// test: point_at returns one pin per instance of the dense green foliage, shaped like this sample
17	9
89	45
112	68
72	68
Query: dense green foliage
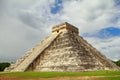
55	74
3	66
117	62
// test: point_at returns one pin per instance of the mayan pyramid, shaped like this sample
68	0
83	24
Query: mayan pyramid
63	50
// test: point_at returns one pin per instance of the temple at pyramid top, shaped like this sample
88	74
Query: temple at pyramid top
65	27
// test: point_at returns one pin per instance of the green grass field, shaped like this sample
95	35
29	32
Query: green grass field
106	75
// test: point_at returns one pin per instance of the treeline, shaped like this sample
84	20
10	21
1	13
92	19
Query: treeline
3	66
117	62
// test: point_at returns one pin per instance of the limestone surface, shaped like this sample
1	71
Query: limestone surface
64	50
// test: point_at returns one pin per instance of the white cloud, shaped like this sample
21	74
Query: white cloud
109	47
23	23
15	38
88	15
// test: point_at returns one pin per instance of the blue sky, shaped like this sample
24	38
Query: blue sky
105	33
102	33
56	7
117	2
24	23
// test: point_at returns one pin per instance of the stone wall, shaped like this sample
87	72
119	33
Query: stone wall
69	52
63	50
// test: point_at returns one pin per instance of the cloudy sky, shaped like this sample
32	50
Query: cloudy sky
24	23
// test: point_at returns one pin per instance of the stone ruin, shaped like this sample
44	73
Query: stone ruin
64	51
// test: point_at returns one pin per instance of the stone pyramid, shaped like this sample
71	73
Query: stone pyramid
63	50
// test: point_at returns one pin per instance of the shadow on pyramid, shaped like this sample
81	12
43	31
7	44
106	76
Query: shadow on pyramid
64	51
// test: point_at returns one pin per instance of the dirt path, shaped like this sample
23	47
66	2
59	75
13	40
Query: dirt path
55	78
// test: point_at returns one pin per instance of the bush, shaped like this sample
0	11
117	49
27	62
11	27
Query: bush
3	66
117	62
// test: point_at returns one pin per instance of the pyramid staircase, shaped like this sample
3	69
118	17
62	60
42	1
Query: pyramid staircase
23	63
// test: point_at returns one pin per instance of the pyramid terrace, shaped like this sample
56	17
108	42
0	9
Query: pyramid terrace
64	51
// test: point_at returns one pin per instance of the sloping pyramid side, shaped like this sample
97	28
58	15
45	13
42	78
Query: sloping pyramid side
63	50
23	63
70	52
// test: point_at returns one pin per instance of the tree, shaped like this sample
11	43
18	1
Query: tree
3	66
117	62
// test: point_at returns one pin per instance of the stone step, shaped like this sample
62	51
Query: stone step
36	51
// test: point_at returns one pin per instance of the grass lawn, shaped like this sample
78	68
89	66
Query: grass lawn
104	75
